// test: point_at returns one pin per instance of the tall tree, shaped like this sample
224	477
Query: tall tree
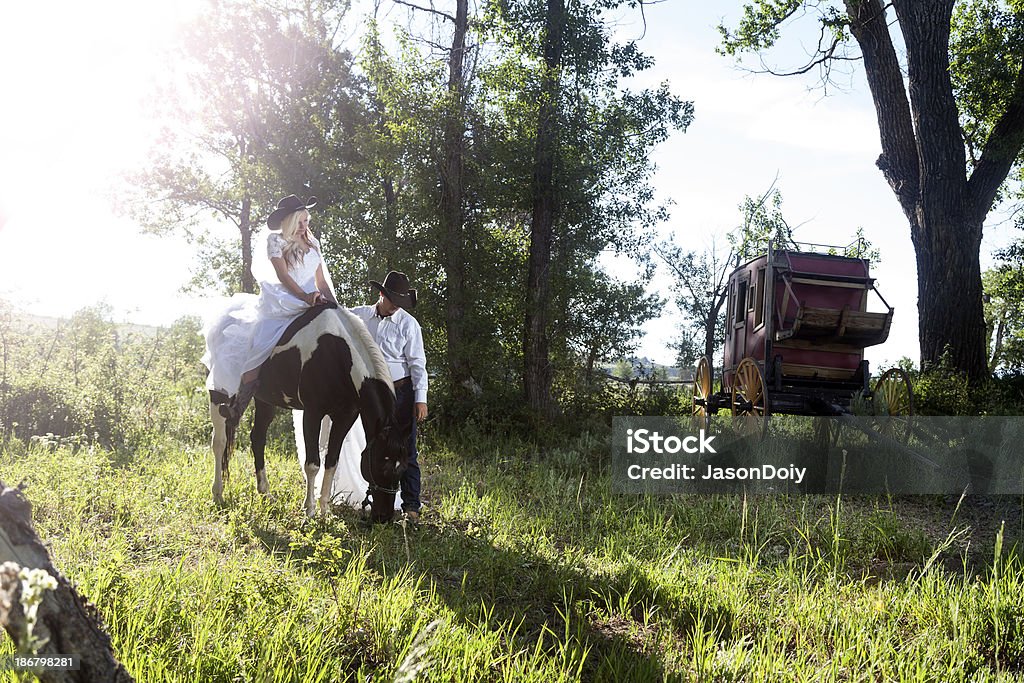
452	203
923	123
536	352
262	100
699	286
590	178
414	100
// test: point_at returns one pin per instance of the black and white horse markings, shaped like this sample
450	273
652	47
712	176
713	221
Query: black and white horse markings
326	363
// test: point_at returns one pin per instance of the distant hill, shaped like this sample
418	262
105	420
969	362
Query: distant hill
23	320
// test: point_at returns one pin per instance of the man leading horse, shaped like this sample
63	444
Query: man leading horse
325	363
400	339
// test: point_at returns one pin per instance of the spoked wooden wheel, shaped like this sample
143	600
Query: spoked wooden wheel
750	397
749	393
701	393
893	401
893	394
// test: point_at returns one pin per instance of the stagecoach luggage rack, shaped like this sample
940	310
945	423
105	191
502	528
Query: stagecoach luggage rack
824	325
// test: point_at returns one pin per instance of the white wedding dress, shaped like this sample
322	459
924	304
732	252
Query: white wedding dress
243	336
349	487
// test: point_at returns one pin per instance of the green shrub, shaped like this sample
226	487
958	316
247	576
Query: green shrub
34	408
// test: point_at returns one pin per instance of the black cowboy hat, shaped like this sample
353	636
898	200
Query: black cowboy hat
396	288
289	204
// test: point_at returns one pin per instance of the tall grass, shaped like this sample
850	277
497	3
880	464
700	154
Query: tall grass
526	567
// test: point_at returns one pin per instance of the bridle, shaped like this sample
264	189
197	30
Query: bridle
374	487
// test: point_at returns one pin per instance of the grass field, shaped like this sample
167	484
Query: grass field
525	568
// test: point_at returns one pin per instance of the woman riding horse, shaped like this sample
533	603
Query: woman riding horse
321	360
247	331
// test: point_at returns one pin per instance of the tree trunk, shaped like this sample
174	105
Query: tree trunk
709	338
950	310
537	372
451	208
711	327
946	236
591	359
245	228
924	162
65	623
390	234
389	231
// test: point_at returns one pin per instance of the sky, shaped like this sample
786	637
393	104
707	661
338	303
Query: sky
76	117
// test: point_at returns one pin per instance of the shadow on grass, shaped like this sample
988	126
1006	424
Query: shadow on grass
616	615
607	621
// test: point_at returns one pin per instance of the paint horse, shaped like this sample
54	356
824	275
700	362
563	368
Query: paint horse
325	363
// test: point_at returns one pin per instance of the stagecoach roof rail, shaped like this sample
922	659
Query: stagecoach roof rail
855	247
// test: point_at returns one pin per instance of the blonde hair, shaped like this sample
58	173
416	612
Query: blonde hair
295	248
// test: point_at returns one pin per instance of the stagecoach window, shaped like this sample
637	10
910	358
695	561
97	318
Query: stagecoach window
759	298
729	309
741	303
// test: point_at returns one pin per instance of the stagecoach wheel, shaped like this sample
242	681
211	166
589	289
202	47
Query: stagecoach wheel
750	398
893	394
893	402
749	393
701	393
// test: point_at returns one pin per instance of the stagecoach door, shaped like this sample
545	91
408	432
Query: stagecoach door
738	322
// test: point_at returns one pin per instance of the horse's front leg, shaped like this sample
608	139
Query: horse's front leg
258	437
311	438
341	423
221	447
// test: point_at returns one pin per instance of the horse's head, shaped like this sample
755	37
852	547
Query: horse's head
383	462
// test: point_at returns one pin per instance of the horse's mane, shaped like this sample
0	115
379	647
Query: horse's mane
367	359
364	347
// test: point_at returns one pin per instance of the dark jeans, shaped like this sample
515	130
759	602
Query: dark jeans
404	405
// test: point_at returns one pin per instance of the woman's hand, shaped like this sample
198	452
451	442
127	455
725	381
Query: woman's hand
311	298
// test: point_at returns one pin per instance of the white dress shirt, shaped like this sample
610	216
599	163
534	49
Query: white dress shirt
401	341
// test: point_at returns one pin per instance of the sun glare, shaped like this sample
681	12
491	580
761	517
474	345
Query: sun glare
75	118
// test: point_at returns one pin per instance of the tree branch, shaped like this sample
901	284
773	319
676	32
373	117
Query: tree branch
899	161
1001	150
431	10
827	55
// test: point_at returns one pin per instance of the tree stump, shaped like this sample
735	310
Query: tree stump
66	624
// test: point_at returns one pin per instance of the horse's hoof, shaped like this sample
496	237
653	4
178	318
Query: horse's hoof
262	485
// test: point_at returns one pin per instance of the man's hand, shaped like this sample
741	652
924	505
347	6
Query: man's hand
420	411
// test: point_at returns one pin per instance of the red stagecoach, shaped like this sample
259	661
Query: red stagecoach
797	324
